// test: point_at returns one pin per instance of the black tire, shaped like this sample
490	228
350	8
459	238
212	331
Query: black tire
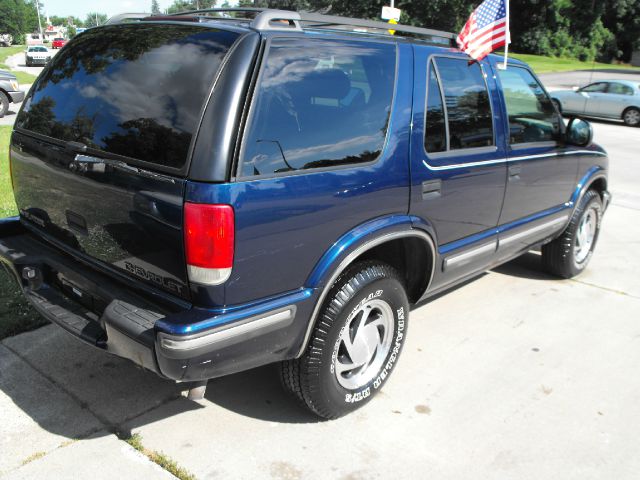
313	378
557	103
560	256
631	117
4	104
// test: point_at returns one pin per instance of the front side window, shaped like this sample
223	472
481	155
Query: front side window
319	103
532	117
600	87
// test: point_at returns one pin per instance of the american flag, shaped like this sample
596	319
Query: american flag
486	29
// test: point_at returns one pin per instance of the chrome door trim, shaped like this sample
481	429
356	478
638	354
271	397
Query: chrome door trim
465	257
511	159
514	237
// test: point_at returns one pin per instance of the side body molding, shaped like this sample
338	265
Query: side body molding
353	244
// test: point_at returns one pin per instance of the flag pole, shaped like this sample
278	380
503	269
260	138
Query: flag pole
508	38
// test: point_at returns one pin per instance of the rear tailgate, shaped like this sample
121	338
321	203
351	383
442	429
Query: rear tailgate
101	145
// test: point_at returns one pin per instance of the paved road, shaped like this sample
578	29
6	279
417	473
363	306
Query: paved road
555	81
514	375
16	62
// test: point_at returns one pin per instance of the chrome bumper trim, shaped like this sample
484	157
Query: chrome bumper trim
276	319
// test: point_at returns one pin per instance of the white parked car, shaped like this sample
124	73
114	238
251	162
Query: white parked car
37	55
617	99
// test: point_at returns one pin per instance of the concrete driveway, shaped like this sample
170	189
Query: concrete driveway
515	375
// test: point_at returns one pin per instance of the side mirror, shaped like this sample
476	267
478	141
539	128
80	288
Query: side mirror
579	132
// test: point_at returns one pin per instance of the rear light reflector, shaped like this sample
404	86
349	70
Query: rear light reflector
209	242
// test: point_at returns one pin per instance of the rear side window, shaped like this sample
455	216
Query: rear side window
435	138
620	89
458	99
532	117
133	90
319	103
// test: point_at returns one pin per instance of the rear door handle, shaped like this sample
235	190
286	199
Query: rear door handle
514	172
431	189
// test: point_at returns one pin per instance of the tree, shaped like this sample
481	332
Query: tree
184	5
11	19
622	19
71	31
94	19
155	7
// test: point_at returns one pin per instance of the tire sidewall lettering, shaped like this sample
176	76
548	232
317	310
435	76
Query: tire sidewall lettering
356	396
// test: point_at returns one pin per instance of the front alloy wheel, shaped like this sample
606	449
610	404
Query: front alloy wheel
569	254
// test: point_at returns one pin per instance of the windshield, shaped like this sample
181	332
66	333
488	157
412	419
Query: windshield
134	90
38	49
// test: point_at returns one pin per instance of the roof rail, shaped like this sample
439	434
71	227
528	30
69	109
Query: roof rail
285	20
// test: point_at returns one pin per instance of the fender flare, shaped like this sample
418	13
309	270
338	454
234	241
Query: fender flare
594	173
353	244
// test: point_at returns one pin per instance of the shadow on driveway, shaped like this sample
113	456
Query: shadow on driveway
74	390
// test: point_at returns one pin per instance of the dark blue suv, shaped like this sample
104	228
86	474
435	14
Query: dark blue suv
203	195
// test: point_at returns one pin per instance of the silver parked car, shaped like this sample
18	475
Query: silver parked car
619	99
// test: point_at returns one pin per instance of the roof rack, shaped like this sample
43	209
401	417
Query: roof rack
125	17
285	20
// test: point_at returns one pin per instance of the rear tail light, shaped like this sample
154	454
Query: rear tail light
209	242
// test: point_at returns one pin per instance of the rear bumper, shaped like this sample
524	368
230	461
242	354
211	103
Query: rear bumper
16	97
181	344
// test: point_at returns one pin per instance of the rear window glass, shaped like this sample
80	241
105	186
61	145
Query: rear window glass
132	90
320	103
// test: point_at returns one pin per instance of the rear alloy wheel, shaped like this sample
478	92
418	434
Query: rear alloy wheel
355	344
4	104
569	254
631	117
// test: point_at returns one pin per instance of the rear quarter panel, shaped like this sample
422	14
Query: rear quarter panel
284	224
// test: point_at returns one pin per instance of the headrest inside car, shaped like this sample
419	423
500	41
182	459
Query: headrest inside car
325	83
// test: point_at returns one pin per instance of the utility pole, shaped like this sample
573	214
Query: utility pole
39	23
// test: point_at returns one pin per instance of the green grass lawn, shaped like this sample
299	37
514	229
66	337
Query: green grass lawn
6	52
16	315
542	64
7	205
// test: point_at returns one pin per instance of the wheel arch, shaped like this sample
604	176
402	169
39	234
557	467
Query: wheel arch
594	179
392	240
